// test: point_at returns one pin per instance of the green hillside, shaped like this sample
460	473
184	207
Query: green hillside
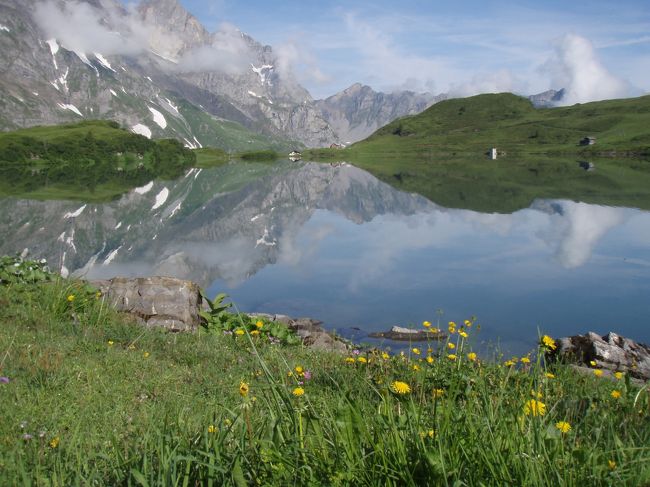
96	157
510	123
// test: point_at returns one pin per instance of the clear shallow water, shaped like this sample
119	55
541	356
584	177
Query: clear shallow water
336	244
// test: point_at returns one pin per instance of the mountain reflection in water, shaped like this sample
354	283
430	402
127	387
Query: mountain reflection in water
336	244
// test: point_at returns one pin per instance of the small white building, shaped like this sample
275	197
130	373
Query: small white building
493	153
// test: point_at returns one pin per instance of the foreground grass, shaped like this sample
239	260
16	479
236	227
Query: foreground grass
90	399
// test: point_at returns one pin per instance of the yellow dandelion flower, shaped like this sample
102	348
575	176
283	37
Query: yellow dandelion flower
430	433
618	375
534	408
592	363
611	464
452	327
400	387
598	372
239	331
385	356
616	394
243	389
463	334
426	324
350	360
259	324
525	360
212	429
549	375
537	394
255	333
54	442
71	297
298	391
145	354
548	342
563	426
438	392
451	346
430	359
363	360
471	356
416	367
452	356
508	363
298	369
416	351
110	343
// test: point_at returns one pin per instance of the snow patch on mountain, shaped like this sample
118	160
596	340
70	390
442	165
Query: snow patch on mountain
4	28
111	256
74	214
69	106
113	93
144	189
102	60
263	71
141	129
160	198
158	118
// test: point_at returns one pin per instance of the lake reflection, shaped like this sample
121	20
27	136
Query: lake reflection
336	244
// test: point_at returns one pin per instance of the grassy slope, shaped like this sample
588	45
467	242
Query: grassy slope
141	409
440	153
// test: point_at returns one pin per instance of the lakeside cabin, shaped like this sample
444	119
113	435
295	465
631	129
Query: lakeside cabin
587	141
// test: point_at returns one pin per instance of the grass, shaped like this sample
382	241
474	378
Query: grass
94	399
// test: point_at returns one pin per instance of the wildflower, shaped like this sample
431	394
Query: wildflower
534	408
145	354
452	327
131	347
452	356
350	360
592	363
298	369
451	346
616	394
255	333
227	422
508	363
548	342
468	323
239	331
212	429
55	442
563	426
355	351
525	360
385	356
363	360
98	294
598	372
71	297
298	391
463	334
426	324
243	389
400	387
618	375
611	464
471	356
306	375
4	380
259	324
110	343
416	351
438	392
549	375
416	367
537	394
430	359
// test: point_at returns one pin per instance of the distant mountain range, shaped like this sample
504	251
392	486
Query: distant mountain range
162	74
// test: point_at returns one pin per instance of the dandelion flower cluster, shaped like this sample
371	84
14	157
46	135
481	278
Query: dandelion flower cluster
548	342
400	387
563	426
534	408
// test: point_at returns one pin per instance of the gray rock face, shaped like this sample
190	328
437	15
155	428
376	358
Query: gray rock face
401	334
610	352
358	111
547	98
163	302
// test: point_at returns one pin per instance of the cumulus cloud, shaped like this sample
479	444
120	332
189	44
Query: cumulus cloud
577	68
497	82
81	28
293	58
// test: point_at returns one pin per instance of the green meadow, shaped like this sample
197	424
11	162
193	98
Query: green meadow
89	398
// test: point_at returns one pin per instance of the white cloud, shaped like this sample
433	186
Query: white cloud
293	58
496	82
577	68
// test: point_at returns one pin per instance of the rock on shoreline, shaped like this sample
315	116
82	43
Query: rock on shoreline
401	334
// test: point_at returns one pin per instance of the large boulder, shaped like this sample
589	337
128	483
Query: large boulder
164	302
610	352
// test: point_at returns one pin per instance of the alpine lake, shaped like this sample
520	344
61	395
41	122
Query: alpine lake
332	242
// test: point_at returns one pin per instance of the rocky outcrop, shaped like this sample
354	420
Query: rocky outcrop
610	352
310	331
401	334
163	302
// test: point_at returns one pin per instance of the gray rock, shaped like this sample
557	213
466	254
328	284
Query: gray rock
164	302
610	352
401	334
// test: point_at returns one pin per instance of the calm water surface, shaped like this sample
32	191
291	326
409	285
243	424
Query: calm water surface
336	244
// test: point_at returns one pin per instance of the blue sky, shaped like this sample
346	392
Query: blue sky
460	46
